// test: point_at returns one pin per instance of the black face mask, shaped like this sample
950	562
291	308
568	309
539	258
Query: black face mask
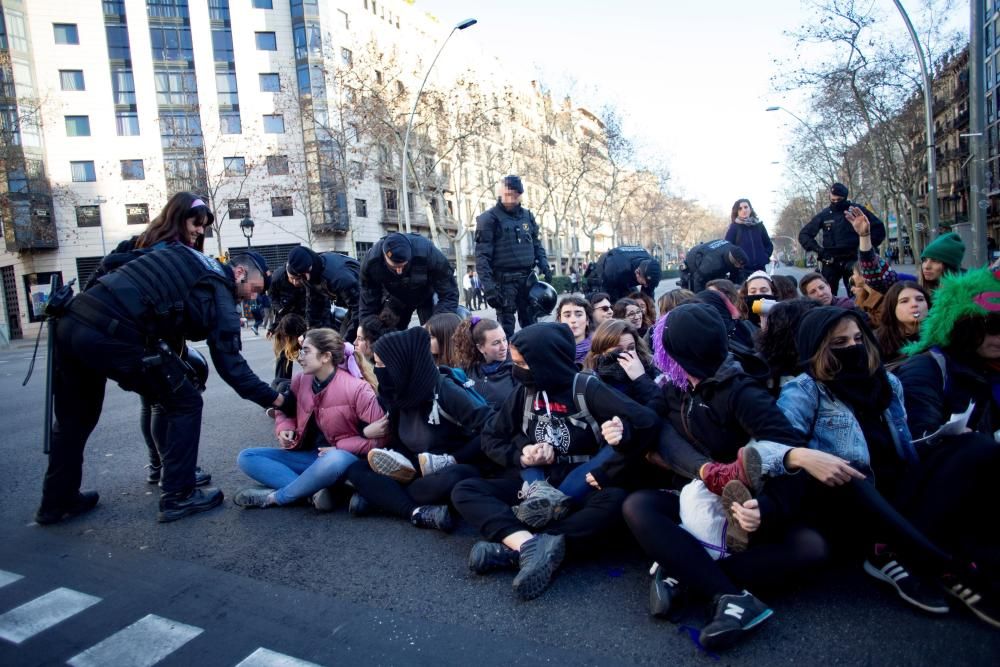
523	375
386	388
840	206
609	370
853	361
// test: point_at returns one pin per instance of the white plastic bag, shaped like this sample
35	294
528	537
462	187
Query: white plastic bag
703	517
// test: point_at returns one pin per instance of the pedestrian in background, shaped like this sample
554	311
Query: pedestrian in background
748	232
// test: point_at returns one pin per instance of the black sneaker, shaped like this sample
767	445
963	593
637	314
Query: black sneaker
664	594
84	502
432	516
538	560
734	616
489	556
358	506
921	594
198	500
975	596
154	473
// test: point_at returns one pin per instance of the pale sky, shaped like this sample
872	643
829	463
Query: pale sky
692	78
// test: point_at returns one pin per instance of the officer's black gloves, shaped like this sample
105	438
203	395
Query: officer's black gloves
493	300
548	277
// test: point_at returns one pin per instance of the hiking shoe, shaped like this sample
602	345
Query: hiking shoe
734	616
489	556
538	561
83	503
747	468
391	464
975	596
433	516
664	594
753	466
432	463
154	473
173	507
541	503
253	498
358	506
884	566
737	539
323	500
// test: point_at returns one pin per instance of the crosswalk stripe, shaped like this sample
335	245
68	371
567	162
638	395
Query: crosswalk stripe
144	643
263	657
42	613
8	578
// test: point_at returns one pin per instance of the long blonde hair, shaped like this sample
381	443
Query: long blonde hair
328	340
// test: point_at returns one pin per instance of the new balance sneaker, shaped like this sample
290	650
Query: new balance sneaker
391	464
664	593
253	498
323	500
432	516
432	463
737	539
538	561
884	566
154	473
83	503
177	506
735	615
541	503
358	506
490	556
975	596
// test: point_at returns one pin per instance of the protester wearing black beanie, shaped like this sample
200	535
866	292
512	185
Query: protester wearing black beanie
410	375
550	352
696	338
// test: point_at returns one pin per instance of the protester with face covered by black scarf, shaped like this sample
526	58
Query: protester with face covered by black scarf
433	427
620	357
547	430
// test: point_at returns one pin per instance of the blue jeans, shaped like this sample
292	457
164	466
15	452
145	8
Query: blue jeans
575	484
294	474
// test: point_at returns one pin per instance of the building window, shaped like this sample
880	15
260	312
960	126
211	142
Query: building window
71	79
262	4
361	248
274	124
133	170
270	83
389	199
281	206
218	10
137	214
123	86
168	8
118	46
239	209
83	171
235	166
180	130
277	165
357	170
229	122
176	88
127	123
347	20
346	57
222	46
77	126
170	43
225	85
88	216
361	208
266	41
66	33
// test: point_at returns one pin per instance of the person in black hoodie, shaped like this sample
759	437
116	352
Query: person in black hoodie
434	424
540	423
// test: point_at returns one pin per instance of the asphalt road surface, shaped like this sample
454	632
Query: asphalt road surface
290	586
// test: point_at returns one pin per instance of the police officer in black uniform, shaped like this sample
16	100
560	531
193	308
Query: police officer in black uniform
507	251
404	272
839	250
326	278
620	270
710	261
118	329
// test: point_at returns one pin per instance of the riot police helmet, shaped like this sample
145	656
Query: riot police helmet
542	297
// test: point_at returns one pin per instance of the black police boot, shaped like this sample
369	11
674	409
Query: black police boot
175	506
83	503
201	478
153	473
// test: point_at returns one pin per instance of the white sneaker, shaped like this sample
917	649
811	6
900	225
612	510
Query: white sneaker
432	463
391	464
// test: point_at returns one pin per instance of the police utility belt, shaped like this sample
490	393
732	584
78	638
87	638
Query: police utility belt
505	277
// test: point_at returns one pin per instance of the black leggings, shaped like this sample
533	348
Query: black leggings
394	498
654	518
149	413
486	504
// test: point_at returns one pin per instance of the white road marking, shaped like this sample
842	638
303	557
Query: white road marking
142	644
42	613
8	578
263	657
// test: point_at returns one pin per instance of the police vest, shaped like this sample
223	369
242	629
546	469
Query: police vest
513	240
152	289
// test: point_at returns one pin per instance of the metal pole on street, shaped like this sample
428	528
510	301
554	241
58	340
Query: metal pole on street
978	201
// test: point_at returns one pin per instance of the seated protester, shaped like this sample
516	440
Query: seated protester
649	314
727	287
904	308
814	286
285	340
785	287
574	311
630	311
738	329
675	297
621	359
600	304
777	343
757	287
481	351
954	366
851	408
334	394
442	327
539	425
877	273
941	256
433	426
370	330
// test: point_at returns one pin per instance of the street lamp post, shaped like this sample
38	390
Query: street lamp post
812	130
467	23
246	226
101	200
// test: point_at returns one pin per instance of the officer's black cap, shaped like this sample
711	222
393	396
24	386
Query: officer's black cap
514	183
300	261
838	189
397	248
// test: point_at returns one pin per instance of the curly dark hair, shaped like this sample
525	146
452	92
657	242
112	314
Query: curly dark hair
776	343
467	339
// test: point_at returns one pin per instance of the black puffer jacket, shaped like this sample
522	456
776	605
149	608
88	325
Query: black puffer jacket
496	386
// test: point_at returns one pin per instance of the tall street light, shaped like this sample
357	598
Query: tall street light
932	203
467	23
812	130
246	226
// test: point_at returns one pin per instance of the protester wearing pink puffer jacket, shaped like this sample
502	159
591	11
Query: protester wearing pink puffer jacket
334	395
